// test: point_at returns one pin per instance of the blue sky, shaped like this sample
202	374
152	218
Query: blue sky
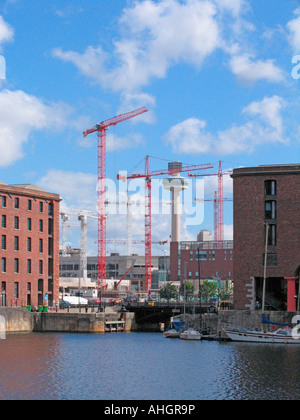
214	74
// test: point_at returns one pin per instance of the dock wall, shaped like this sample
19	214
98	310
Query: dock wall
15	320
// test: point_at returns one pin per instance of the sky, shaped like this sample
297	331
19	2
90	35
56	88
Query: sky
220	80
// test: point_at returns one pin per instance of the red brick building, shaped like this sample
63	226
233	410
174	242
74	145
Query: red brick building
212	260
266	195
29	249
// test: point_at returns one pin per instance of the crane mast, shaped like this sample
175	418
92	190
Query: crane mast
101	187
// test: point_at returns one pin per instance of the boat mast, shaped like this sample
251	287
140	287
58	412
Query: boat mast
265	268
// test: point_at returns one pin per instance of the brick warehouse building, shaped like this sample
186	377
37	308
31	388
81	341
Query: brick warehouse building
29	250
266	195
216	261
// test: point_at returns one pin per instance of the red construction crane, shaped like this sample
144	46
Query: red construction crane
148	227
101	130
218	203
127	272
216	212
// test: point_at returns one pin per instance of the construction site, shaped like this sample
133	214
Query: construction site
143	275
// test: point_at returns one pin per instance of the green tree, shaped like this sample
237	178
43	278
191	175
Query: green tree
227	292
169	291
189	290
208	290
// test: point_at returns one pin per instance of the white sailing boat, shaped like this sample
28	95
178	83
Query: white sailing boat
190	334
279	334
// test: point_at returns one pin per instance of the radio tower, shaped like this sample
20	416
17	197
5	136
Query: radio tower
101	207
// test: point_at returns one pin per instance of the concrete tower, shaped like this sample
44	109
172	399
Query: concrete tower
175	183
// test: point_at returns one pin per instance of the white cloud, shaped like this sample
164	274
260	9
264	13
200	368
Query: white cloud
265	125
6	31
20	115
155	36
293	27
76	189
249	70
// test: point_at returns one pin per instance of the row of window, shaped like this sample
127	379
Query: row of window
209	255
16	224
29	204
29	244
29	289
17	266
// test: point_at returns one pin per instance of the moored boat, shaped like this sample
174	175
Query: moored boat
279	334
175	328
190	334
282	336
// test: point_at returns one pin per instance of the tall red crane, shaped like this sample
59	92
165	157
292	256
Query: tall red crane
218	203
101	130
148	224
216	212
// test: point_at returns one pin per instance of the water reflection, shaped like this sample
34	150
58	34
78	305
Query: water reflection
144	366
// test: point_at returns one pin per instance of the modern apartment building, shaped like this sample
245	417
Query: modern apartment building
29	250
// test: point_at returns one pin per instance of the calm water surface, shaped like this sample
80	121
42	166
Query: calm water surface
144	366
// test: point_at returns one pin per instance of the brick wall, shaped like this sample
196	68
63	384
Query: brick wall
249	226
16	256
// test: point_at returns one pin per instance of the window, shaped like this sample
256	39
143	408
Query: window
16	243
271	260
3	243
213	255
17	203
16	290
29	207
29	225
225	255
50	209
28	287
16	265
270	210
3	221
3	201
202	255
272	237
28	244
40	226
3	265
28	266
17	223
40	245
50	227
41	207
270	188
191	255
40	267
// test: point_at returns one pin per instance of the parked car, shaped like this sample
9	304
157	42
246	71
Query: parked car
64	305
